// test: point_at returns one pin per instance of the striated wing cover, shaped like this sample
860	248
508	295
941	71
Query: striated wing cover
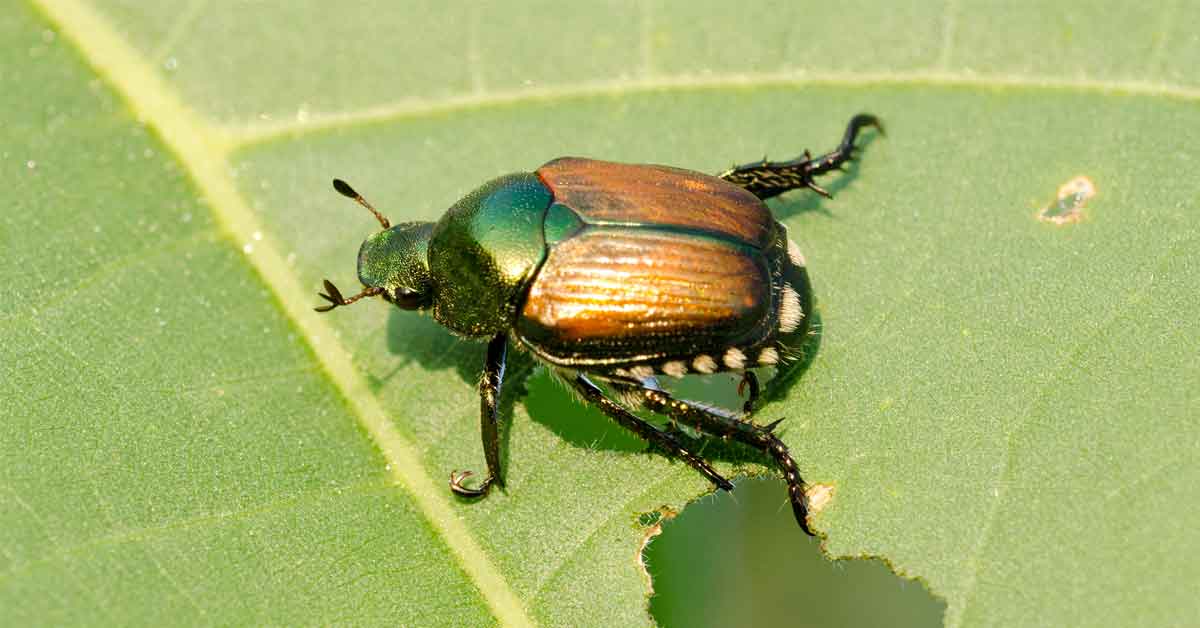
603	192
620	294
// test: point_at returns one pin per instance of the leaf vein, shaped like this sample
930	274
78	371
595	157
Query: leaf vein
600	522
954	617
146	533
107	269
250	134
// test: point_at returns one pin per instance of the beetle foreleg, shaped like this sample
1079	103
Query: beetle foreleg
489	420
669	442
765	179
722	423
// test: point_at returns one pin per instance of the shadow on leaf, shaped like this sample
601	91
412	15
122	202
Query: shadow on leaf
804	201
418	339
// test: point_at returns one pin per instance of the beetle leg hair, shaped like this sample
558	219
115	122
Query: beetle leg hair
667	441
489	420
725	424
766	179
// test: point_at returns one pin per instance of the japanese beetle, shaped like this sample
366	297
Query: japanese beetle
617	273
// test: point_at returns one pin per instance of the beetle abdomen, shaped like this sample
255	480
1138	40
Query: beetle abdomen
630	294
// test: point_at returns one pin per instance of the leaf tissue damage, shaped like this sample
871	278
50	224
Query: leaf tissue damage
1068	206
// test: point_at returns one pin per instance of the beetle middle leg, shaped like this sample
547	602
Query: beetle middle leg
722	423
666	440
489	420
766	179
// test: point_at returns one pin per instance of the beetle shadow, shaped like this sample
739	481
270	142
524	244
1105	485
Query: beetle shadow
554	406
418	339
792	204
788	375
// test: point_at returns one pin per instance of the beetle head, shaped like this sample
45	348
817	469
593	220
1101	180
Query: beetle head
391	263
394	262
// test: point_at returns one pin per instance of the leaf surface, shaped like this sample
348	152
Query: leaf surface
1006	408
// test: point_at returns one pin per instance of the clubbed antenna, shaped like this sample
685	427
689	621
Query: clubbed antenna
335	297
344	189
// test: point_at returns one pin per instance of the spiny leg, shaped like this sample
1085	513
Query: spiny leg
667	441
765	178
724	424
489	420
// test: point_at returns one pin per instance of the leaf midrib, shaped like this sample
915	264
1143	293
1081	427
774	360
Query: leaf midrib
204	152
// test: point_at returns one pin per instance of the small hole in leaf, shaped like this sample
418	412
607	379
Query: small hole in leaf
739	560
1067	208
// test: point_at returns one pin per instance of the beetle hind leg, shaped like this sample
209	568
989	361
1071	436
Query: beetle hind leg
670	442
766	179
724	424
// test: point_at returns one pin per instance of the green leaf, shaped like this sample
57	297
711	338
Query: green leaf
1004	407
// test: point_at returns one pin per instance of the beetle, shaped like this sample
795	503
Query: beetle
615	273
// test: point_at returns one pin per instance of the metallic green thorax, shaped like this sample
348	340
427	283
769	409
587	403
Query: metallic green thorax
484	251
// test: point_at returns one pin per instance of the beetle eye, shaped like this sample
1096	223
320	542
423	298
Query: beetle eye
406	299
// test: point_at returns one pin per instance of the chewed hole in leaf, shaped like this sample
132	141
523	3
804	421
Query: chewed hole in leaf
819	497
652	525
1067	207
738	559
